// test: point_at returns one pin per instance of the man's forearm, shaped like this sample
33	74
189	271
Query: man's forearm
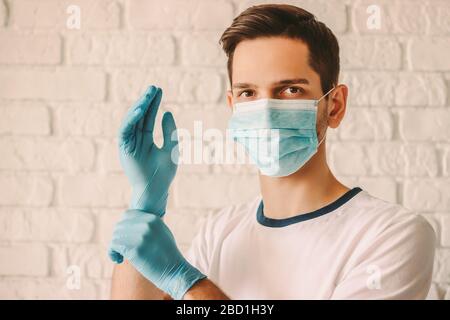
128	284
205	289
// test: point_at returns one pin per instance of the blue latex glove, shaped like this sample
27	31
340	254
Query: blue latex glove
147	243
149	169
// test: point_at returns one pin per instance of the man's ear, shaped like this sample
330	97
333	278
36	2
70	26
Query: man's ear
230	99
337	105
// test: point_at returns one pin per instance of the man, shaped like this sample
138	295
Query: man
308	236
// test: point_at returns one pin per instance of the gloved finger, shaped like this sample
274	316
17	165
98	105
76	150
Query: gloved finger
150	115
126	229
169	129
115	256
126	132
116	250
132	213
130	118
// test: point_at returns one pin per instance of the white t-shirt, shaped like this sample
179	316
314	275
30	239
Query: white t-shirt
357	247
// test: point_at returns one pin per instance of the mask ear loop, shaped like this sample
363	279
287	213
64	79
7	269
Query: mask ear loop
326	128
326	94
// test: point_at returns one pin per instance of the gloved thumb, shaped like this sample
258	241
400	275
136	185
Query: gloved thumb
169	131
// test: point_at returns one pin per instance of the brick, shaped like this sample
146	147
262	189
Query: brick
420	90
446	162
366	124
442	266
425	124
445	232
382	187
178	14
227	190
349	159
370	88
105	222
191	116
3	14
25	189
49	224
421	160
25	119
91	259
202	49
429	54
427	194
401	17
333	13
60	84
30	49
385	89
178	86
439	12
24	260
46	288
94	190
370	53
108	156
47	154
399	159
76	119
124	49
53	14
384	159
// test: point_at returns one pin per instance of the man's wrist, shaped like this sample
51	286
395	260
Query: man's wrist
140	201
205	289
197	287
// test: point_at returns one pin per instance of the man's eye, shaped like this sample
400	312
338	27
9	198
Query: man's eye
294	90
244	92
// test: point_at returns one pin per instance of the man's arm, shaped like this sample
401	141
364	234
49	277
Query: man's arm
128	284
205	290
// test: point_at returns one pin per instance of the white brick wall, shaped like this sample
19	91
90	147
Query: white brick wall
64	91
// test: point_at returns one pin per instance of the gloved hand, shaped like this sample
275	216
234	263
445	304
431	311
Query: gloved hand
149	169
147	243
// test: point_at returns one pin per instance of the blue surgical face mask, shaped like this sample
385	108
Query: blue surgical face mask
279	135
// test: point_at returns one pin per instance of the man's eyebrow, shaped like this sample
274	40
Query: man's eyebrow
242	85
281	82
292	81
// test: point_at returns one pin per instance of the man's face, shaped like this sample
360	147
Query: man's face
276	68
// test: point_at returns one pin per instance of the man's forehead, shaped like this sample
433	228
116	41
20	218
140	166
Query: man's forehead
268	50
272	59
304	81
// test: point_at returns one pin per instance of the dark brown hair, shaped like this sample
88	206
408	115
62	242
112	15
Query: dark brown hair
270	20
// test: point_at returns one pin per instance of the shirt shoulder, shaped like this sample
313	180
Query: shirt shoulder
213	229
391	244
381	215
227	218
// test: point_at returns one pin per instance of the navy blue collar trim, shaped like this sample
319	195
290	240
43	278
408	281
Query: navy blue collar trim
277	223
